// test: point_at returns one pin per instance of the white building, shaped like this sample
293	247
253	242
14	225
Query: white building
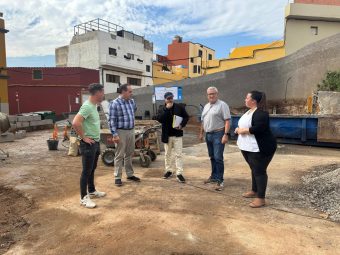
121	56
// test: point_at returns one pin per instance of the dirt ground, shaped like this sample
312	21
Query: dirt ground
40	214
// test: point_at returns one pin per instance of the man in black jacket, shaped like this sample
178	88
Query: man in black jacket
173	118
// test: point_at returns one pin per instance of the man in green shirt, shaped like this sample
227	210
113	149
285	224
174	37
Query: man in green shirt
87	125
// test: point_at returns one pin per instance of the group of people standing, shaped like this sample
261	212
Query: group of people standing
255	140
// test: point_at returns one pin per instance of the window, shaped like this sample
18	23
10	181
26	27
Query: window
195	69
148	68
314	30
112	52
192	60
200	53
210	56
134	81
37	75
112	78
199	69
131	56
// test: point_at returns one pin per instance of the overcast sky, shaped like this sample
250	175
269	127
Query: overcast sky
37	27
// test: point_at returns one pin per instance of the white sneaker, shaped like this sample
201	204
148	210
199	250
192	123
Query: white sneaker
97	194
87	202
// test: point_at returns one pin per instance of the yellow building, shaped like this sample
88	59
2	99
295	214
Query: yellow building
3	72
163	74
247	55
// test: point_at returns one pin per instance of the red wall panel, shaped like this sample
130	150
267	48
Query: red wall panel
57	91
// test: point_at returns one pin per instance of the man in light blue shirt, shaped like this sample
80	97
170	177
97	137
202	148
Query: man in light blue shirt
122	124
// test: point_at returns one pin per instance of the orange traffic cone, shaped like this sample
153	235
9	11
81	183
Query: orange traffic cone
55	132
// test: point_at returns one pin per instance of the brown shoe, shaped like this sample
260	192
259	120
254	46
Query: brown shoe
257	203
249	194
209	180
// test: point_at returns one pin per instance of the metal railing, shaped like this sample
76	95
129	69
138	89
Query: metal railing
96	25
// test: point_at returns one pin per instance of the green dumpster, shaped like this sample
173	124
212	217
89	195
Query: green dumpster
45	115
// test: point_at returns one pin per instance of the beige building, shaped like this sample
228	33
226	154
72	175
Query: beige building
309	21
199	55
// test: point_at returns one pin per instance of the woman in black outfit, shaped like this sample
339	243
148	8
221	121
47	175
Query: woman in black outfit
257	145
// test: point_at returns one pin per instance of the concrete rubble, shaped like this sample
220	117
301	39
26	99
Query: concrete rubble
321	188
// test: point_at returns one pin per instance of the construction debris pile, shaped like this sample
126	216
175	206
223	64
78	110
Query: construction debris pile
321	188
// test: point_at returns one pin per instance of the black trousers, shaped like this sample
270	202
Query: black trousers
258	163
90	154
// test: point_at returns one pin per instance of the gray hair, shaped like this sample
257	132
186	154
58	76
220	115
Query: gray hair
213	88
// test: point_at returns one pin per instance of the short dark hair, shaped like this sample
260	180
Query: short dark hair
94	87
122	88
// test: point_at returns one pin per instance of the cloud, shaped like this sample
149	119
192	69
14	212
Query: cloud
37	27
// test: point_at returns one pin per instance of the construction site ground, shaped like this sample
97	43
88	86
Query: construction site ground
40	211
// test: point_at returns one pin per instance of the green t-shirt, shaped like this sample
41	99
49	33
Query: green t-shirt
91	123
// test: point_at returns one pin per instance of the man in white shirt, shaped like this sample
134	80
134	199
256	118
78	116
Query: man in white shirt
216	125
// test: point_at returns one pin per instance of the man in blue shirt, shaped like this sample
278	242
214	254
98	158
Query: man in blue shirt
122	124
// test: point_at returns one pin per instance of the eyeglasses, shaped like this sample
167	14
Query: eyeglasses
169	98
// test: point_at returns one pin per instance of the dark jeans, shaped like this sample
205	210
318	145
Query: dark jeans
90	154
258	163
215	150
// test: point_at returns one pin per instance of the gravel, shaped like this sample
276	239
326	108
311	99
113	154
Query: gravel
321	188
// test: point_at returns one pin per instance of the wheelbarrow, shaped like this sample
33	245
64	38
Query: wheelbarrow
142	147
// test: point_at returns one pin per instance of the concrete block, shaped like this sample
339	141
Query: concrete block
12	118
20	134
329	129
36	117
25	124
47	122
24	118
329	102
36	123
7	137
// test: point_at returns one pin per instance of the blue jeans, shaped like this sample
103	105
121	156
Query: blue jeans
215	150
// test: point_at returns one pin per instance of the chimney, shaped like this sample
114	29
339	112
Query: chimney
177	39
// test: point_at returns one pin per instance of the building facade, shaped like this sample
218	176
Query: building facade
3	72
308	21
57	89
247	55
120	56
165	73
184	60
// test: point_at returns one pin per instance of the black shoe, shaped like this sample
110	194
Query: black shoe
180	178
133	178
118	182
167	175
